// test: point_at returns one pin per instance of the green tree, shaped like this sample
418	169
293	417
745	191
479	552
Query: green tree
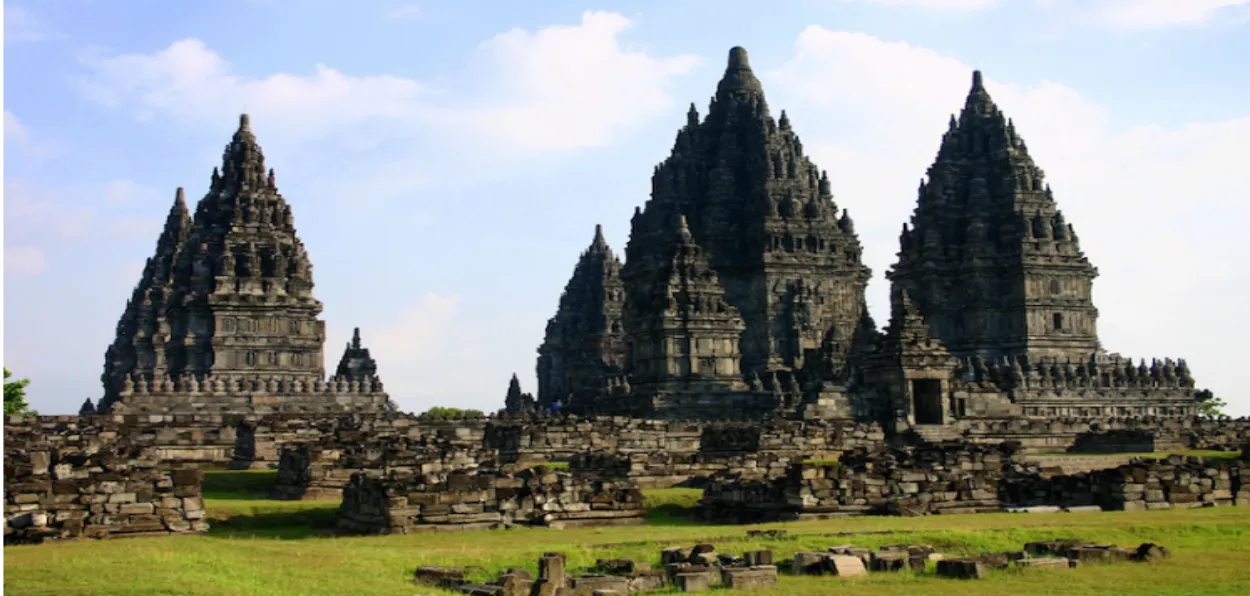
439	412
15	397
1209	405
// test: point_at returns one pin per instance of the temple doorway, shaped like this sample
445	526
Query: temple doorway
926	395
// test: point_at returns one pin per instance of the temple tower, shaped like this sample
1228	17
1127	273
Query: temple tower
682	334
788	261
143	329
989	259
224	318
585	341
356	363
243	300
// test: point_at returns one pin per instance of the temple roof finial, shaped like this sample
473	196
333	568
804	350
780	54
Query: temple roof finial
245	122
976	80
738	58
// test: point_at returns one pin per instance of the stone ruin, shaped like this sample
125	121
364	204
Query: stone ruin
310	473
701	568
55	493
406	502
962	478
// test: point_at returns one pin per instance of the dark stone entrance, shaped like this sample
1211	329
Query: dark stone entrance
926	397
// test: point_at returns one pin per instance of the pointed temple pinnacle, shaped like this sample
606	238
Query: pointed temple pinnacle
976	80
180	198
245	122
738	77
599	234
738	59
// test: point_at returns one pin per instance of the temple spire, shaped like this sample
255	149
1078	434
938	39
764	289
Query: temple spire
739	80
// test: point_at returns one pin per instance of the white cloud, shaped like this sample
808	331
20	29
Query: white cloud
1143	14
14	131
21	25
21	261
1156	209
558	87
570	87
404	12
188	80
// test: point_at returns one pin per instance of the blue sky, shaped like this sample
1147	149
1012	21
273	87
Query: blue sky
447	161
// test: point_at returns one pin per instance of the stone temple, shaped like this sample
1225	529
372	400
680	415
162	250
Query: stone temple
224	318
742	291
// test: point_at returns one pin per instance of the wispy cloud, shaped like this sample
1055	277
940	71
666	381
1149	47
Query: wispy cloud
405	12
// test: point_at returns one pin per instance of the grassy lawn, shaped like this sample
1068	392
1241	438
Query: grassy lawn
263	547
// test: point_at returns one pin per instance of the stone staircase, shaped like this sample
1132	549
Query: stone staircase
937	433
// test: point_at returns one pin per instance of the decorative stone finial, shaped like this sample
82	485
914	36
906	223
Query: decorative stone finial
976	80
738	58
245	122
180	197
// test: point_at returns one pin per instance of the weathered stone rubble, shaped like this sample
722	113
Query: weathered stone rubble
956	478
311	473
965	479
56	493
701	568
404	502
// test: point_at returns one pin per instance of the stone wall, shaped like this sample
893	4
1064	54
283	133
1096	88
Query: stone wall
401	502
312	472
1176	482
1128	440
957	478
61	492
967	478
652	454
1059	434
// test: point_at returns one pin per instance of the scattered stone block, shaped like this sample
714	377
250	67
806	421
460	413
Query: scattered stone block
961	568
756	558
587	585
693	582
889	561
446	577
808	563
750	578
1151	552
1045	563
846	566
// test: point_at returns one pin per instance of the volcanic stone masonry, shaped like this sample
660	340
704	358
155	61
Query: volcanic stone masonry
742	292
223	318
406	502
78	490
963	478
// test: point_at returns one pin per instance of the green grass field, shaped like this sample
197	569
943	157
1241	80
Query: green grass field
263	547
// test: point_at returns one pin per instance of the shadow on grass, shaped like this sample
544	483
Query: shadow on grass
235	485
289	524
673	506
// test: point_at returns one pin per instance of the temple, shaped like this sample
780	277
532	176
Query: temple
223	317
743	292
